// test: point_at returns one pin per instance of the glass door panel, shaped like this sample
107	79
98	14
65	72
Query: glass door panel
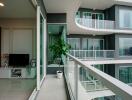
87	15
98	45
125	74
84	47
91	47
75	45
88	19
41	47
100	20
84	44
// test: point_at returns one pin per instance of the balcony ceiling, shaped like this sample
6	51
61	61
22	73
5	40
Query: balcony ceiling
97	4
57	6
61	6
17	9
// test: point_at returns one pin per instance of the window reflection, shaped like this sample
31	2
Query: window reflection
125	46
125	20
125	74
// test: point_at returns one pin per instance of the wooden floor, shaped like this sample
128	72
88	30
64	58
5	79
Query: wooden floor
52	89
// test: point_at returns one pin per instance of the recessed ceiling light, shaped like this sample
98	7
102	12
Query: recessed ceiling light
1	4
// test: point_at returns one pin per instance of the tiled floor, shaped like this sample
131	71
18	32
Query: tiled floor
16	89
52	89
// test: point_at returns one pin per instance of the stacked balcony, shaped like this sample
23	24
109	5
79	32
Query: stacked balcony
96	23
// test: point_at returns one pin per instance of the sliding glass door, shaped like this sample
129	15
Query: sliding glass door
94	46
41	47
94	20
125	74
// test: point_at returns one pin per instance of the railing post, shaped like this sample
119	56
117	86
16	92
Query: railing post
105	54
94	54
95	24
76	80
85	54
74	53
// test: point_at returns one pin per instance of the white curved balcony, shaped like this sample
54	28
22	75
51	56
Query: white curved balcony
95	23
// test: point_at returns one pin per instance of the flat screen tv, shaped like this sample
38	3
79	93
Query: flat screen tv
18	60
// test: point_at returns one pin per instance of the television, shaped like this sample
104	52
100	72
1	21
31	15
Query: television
18	60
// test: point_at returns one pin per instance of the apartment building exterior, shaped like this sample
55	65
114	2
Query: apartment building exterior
108	46
103	34
114	44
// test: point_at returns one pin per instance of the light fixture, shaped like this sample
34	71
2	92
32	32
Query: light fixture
2	4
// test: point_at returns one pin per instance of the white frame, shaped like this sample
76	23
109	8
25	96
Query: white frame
39	82
38	48
44	52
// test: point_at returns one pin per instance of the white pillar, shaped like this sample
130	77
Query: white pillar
45	47
38	48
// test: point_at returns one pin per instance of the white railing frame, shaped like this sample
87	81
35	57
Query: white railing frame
94	53
118	87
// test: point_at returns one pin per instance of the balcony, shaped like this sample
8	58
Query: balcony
95	23
93	54
92	83
100	26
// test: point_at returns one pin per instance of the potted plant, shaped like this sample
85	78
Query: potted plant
59	48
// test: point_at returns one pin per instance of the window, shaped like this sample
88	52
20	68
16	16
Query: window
125	18
75	43
91	15
125	46
78	15
125	74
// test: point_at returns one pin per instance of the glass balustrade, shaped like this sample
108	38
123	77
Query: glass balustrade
93	54
86	82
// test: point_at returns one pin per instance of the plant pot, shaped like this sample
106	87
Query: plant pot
59	74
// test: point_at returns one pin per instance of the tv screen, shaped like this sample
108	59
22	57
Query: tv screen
18	60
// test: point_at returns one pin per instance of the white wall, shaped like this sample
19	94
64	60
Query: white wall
22	41
17	41
18	36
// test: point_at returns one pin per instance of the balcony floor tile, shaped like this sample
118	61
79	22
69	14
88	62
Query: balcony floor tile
52	89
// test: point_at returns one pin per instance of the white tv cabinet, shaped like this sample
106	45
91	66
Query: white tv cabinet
17	72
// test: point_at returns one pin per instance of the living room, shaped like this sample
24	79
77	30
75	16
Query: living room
18	49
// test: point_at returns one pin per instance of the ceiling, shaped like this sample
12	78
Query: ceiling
17	9
57	6
61	6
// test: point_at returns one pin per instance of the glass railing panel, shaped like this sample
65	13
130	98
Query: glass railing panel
89	82
110	54
84	81
70	76
93	54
